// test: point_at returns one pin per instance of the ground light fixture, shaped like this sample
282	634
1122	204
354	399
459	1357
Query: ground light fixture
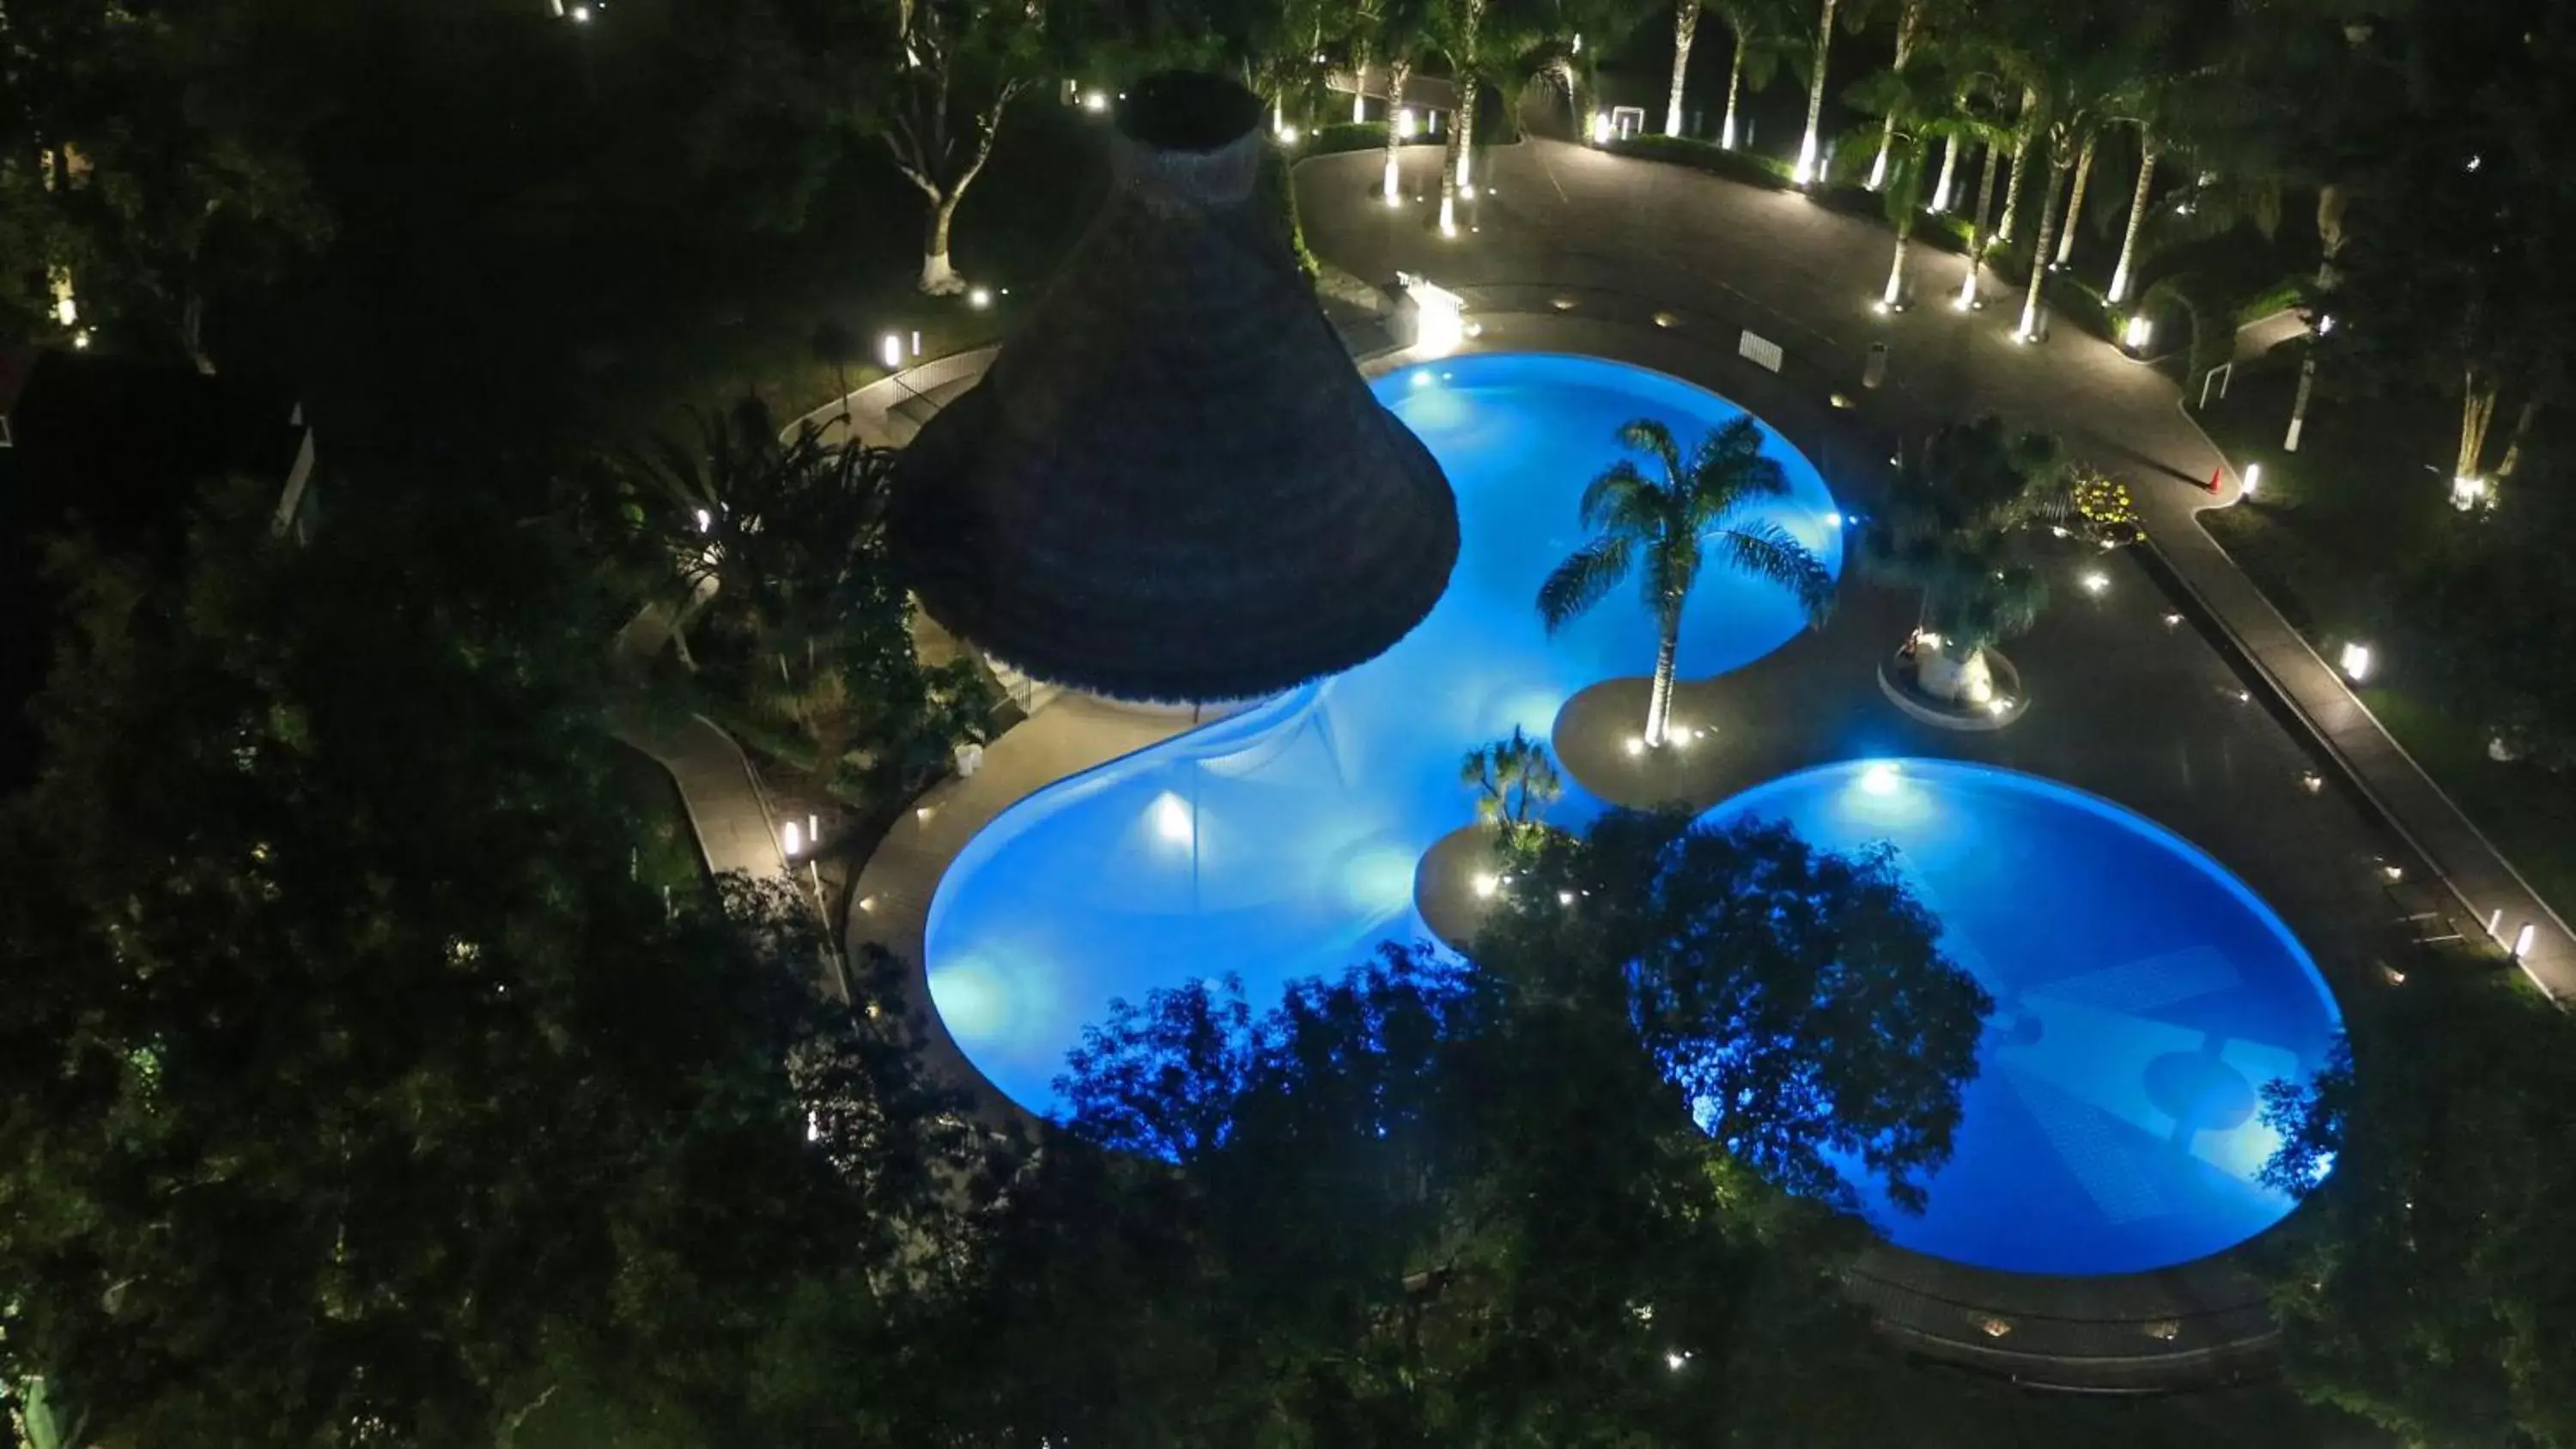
2356	662
1095	102
1404	124
980	298
2522	940
2095	581
890	350
792	837
2139	333
2253	480
1600	127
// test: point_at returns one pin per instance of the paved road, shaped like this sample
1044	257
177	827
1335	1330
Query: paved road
1582	231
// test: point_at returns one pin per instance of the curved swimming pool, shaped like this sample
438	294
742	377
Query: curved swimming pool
1281	843
2143	997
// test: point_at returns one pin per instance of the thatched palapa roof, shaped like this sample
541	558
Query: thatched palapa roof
1173	483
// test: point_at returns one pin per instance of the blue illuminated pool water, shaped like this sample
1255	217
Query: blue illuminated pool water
2142	999
1281	844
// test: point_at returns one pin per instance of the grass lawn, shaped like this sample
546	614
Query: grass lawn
2331	523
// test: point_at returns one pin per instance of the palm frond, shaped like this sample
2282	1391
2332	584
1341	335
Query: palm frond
1730	468
1766	551
1618	495
1582	580
1652	438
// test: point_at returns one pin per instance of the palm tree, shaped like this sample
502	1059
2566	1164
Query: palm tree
1761	40
1514	781
1909	25
1459	32
1397	30
2124	275
1946	529
1661	530
2075	199
1979	238
1903	198
1685	29
1919	104
1807	146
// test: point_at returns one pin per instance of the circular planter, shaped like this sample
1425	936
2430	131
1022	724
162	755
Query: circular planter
1896	681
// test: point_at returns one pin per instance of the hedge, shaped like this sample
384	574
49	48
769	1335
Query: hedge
1706	156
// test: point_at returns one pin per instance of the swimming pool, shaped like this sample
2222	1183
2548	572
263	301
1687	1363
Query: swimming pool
2143	996
1281	843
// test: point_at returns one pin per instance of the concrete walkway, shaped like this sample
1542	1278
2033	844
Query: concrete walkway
736	828
1579	231
887	412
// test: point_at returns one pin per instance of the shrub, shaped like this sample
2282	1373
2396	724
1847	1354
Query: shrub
1347	136
1706	156
1279	199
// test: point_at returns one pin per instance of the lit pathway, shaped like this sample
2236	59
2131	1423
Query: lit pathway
726	807
728	810
1616	236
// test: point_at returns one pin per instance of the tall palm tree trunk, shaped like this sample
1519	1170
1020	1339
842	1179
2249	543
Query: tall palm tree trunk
1907	20
1894	296
2299	401
2056	185
1659	702
1978	240
1734	93
2075	202
1950	149
1359	88
1453	168
1398	72
1685	30
2020	155
1807	147
2123	274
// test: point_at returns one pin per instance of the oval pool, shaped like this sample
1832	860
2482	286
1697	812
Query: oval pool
2143	997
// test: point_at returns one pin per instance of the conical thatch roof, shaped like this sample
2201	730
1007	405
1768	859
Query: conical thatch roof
1173	483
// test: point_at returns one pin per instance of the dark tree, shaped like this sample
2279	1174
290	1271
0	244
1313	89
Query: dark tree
1796	999
2424	1283
352	1090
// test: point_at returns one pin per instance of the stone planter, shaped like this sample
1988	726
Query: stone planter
1896	681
